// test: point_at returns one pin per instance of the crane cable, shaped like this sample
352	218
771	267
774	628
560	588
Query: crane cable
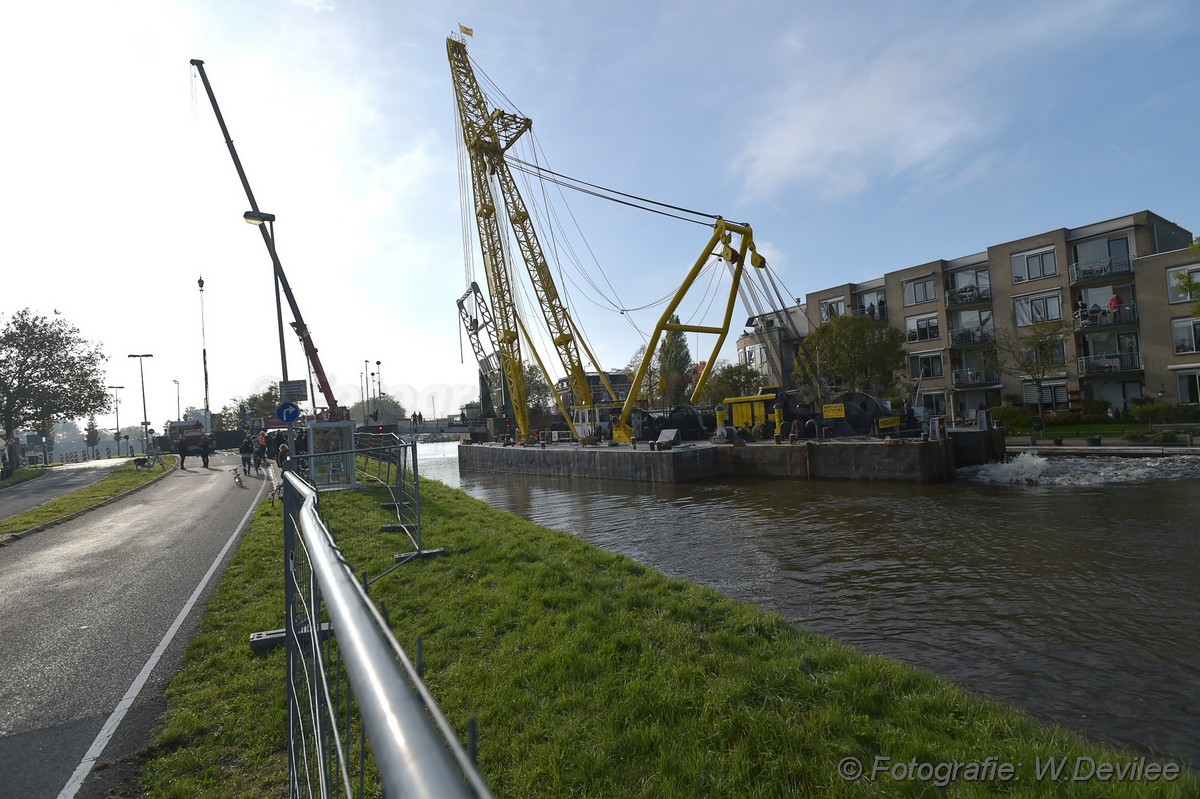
546	175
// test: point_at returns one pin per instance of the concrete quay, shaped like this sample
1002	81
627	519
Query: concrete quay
859	459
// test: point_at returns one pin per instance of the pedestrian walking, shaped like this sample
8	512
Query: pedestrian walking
246	450
181	448
204	451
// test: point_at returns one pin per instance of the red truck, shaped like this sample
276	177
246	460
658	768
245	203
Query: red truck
191	432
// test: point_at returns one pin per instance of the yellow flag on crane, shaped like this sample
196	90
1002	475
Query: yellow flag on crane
463	29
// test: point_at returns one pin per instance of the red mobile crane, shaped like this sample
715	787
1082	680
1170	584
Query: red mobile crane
336	413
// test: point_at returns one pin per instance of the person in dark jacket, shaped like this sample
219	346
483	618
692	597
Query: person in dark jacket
246	450
204	449
181	448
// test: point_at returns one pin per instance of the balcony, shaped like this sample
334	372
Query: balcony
1113	362
973	377
871	312
972	336
967	295
1099	269
1103	317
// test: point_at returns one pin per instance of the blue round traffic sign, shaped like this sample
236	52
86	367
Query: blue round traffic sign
287	412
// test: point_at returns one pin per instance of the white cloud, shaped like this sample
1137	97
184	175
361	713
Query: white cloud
855	111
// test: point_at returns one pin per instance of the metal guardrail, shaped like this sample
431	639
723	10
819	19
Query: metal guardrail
360	720
1112	362
1098	268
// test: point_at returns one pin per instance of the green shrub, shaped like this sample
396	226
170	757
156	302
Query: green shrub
1012	416
1165	437
1095	407
1136	436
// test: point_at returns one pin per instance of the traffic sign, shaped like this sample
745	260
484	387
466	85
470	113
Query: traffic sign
287	412
293	391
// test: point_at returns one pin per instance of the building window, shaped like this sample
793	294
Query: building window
1174	292
1107	253
922	328
872	304
1039	308
1186	335
1053	353
925	365
934	404
1189	388
980	279
918	291
1054	396
1031	266
755	356
831	309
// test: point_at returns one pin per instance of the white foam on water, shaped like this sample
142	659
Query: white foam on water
1030	469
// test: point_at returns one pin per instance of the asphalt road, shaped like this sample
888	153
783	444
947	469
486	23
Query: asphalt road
83	608
54	483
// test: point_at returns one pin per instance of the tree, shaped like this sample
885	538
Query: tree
384	409
1188	284
262	404
853	352
538	394
48	373
1036	353
648	393
91	436
730	380
674	366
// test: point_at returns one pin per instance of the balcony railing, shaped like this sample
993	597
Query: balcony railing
878	312
1100	268
968	295
973	377
967	336
1103	317
1113	362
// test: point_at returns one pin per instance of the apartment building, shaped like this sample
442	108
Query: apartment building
1134	333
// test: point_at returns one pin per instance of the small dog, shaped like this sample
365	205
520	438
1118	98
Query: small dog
141	463
237	477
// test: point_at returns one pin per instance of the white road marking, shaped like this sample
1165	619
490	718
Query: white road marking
118	715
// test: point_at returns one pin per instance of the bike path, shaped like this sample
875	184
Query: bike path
58	481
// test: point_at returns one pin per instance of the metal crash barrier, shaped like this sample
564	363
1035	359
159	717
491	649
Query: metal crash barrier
360	720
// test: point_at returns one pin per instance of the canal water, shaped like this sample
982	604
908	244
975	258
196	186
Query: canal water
1066	586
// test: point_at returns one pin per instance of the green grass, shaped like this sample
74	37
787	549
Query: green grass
591	676
120	480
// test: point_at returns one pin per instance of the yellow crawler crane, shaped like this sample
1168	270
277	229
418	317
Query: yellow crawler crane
724	232
487	135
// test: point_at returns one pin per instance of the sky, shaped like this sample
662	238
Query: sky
855	137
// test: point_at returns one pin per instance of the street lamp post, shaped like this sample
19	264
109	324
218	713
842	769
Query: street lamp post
362	392
145	416
257	218
178	410
379	394
204	347
117	405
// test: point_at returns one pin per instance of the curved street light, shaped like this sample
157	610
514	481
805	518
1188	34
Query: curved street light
145	420
117	405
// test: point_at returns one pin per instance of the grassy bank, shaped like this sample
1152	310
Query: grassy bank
117	482
591	675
